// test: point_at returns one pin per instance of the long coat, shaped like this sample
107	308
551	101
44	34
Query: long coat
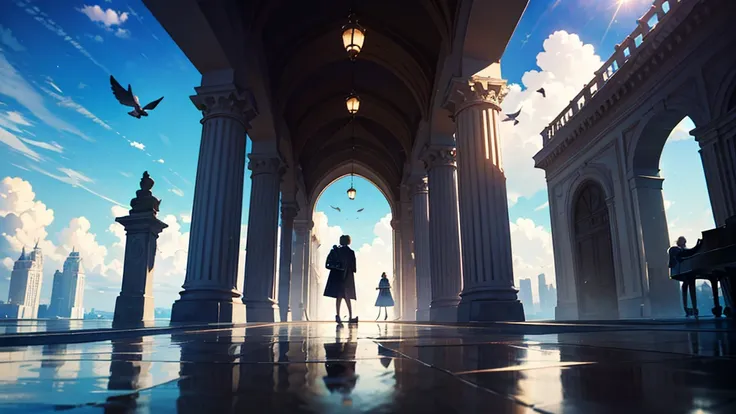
339	283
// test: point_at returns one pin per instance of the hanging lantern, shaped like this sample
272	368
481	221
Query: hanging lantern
353	36
353	103
352	193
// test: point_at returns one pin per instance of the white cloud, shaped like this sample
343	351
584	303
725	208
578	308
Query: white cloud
75	179
54	27
566	64
681	132
68	102
122	33
178	191
7	38
8	263
13	85
542	206
51	83
11	120
531	246
9	139
160	161
125	174
50	146
82	85
107	17
136	144
185	218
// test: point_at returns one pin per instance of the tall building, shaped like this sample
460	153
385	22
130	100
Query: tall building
24	293
525	294
67	295
543	293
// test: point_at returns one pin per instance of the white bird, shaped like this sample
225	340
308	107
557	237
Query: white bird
128	99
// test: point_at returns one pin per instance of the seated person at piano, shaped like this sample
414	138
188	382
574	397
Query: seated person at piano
677	253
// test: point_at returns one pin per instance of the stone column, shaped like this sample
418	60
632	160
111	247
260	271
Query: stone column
288	212
397	286
134	305
718	151
421	248
263	223
664	297
488	277
298	268
444	234
210	288
408	274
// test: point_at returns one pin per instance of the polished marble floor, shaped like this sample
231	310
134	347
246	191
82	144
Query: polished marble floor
382	368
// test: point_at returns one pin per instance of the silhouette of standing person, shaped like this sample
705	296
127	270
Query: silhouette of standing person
384	299
677	253
341	281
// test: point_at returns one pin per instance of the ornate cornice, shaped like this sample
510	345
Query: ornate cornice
420	186
289	210
225	101
265	164
476	90
439	157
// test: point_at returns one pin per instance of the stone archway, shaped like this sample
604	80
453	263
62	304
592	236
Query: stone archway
595	275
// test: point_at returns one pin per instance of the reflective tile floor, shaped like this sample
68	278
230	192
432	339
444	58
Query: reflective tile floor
379	368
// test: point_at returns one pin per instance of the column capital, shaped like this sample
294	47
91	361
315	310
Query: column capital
396	224
289	210
420	186
303	226
265	164
465	92
225	101
439	156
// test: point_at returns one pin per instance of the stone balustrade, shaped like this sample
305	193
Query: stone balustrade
660	10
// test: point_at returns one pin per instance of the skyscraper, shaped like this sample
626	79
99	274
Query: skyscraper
543	292
24	293
67	295
525	295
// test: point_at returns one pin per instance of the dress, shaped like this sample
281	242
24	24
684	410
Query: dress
339	283
384	298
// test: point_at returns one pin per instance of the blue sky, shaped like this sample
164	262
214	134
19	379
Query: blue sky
64	133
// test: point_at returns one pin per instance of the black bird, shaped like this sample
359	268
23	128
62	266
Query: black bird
359	210
128	99
512	117
335	208
543	92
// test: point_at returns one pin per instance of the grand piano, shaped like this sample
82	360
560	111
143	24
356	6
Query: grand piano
714	260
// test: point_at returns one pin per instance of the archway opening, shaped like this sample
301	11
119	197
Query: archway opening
596	280
687	204
367	219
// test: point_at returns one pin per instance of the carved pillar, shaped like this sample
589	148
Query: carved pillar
134	305
299	268
288	212
210	289
263	223
718	151
444	234
663	296
420	205
488	279
408	274
397	285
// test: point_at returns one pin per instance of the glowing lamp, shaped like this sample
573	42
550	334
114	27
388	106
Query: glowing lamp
352	193
353	103
353	36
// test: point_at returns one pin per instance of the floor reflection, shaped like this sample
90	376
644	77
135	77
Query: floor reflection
384	367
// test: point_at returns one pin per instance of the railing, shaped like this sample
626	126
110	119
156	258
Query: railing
624	52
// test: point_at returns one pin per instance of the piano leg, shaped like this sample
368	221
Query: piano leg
728	287
717	310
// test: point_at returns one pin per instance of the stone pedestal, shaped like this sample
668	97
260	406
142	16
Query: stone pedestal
444	234
488	279
134	305
663	293
263	222
420	206
210	289
299	268
288	212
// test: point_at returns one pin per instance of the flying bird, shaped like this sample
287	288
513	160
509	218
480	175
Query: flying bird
543	92
512	117
128	99
359	210
335	208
